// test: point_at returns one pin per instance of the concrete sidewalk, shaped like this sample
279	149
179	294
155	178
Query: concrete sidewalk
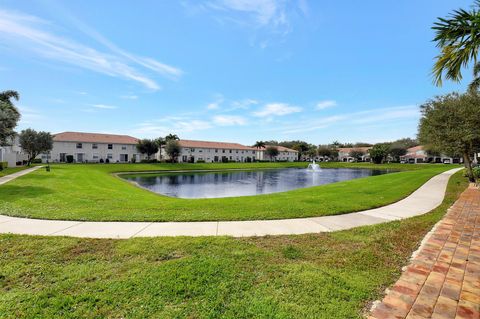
423	200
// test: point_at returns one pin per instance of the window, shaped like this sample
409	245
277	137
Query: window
94	146
192	150
223	151
95	156
200	151
79	145
216	150
109	156
110	146
124	147
230	151
236	151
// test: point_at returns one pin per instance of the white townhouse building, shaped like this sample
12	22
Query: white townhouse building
418	154
92	147
284	154
13	154
345	154
193	151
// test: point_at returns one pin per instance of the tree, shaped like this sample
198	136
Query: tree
450	123
171	137
396	152
259	144
35	143
324	151
357	154
301	147
312	152
173	149
9	116
458	38
404	143
148	147
272	152
160	142
379	152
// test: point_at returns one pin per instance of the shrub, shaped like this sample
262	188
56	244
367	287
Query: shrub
3	165
148	161
224	159
37	161
201	161
476	172
107	161
69	158
101	160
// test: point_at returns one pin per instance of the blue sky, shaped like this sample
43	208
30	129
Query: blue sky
229	70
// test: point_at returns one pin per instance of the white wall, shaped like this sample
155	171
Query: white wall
209	154
91	154
282	156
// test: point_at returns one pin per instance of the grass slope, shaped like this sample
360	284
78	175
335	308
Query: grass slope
331	275
92	192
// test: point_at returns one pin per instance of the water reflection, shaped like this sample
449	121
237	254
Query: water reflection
243	183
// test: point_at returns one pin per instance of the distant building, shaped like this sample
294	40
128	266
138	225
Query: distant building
211	152
13	154
93	147
418	154
284	154
345	154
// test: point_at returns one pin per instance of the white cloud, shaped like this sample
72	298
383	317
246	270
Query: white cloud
242	104
104	106
325	104
29	33
277	109
357	120
213	106
229	120
129	97
263	11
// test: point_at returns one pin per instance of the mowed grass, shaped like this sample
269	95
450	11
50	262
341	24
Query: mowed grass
11	170
92	192
331	275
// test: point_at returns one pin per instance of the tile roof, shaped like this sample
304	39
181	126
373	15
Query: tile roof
415	149
94	138
350	149
279	148
207	144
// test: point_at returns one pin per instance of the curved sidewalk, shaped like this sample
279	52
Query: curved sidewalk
423	200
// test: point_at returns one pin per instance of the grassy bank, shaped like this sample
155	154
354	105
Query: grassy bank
92	192
329	276
11	170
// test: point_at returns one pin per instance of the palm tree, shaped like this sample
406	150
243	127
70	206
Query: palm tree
161	141
458	37
259	144
9	115
171	137
5	96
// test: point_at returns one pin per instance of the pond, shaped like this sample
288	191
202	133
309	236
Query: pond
216	184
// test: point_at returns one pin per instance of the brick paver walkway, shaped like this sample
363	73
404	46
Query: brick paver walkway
443	279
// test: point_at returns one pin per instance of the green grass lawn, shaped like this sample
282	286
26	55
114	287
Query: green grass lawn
11	170
92	192
330	275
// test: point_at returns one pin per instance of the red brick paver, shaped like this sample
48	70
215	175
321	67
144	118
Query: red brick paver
443	279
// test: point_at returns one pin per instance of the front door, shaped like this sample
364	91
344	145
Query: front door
123	157
63	157
79	157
